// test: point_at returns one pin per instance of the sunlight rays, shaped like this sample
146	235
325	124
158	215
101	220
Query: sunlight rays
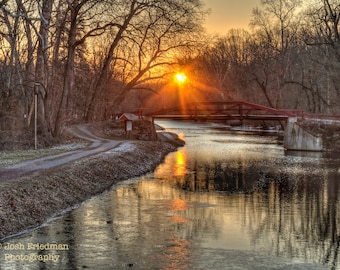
181	91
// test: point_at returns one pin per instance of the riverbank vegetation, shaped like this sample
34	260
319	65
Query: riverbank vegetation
88	60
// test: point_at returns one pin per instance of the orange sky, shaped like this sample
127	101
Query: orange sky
227	14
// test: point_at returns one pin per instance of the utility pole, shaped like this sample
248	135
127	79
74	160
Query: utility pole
36	93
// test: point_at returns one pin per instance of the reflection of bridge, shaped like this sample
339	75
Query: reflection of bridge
229	110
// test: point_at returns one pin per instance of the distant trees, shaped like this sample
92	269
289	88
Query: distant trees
275	28
321	37
289	58
222	64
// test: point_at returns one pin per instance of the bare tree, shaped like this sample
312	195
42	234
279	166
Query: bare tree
276	28
22	23
277	22
321	63
221	64
150	33
42	71
77	14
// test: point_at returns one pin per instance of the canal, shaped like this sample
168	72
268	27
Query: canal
226	200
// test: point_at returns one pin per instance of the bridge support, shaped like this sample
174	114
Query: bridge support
296	138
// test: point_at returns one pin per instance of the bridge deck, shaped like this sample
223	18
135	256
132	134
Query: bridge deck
222	117
229	110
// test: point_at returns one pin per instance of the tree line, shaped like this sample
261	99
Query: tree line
84	59
289	59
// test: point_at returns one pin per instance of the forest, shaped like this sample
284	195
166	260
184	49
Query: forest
87	60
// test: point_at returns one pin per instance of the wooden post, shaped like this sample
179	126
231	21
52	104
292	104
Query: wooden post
196	118
240	111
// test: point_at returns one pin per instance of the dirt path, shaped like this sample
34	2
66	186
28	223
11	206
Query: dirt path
81	131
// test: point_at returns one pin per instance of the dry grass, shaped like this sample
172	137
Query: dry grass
12	157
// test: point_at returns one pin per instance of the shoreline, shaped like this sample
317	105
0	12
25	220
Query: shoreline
29	201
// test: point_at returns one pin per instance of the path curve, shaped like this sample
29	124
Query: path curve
81	131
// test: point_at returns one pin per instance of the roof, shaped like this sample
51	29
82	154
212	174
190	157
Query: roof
128	116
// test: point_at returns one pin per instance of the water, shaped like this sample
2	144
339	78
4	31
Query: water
227	200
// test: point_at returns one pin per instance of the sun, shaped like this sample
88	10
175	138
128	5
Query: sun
180	77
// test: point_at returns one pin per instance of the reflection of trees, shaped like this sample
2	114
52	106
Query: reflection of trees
295	212
302	212
218	176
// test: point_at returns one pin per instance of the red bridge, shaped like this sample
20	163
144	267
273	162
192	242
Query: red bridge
229	110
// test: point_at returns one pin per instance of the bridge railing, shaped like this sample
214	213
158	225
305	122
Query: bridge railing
242	107
231	110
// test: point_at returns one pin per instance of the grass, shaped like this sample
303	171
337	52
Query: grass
8	158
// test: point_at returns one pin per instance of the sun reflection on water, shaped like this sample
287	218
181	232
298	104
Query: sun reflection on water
181	162
178	205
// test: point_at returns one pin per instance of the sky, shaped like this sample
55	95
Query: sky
227	14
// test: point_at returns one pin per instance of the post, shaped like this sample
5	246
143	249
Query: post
196	113
36	92
240	111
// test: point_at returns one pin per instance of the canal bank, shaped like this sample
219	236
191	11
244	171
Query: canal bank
29	201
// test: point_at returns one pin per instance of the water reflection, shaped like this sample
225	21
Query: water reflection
216	203
180	168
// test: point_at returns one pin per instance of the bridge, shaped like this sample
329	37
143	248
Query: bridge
296	136
226	110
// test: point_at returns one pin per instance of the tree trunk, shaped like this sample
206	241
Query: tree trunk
41	71
98	86
62	114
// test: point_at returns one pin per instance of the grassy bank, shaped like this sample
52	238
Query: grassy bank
29	201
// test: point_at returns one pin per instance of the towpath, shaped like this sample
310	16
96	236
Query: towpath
28	167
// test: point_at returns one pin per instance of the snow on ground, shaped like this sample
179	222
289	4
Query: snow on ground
71	146
124	147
